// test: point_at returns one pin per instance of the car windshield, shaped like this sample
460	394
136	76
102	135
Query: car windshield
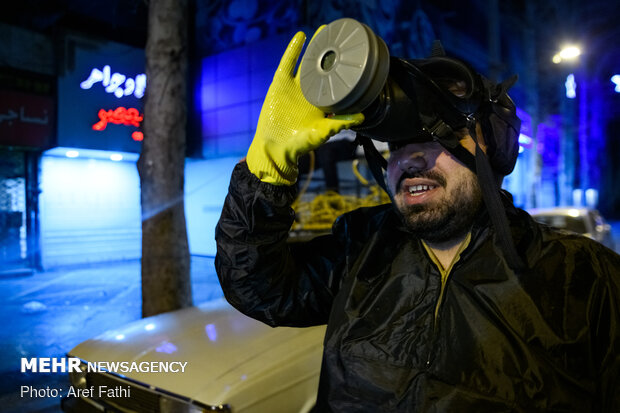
575	224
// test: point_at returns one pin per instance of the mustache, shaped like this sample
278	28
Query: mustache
428	174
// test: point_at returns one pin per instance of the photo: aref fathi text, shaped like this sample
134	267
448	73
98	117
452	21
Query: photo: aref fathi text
88	392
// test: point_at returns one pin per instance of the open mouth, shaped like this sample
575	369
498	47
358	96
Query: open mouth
418	190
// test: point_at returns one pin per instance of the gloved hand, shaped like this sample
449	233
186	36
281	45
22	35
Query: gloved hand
289	126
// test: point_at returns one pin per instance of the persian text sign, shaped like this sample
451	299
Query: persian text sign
26	119
116	83
119	116
100	97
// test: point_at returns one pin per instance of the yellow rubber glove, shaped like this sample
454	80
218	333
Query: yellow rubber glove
289	126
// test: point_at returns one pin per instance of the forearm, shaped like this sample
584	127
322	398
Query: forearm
261	275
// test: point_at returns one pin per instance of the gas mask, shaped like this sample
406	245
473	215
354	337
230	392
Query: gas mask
347	69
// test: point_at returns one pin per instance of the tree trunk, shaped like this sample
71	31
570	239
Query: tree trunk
165	252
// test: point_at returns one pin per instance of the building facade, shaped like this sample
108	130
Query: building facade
71	110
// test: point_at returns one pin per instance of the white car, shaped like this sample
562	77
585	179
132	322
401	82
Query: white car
585	221
233	364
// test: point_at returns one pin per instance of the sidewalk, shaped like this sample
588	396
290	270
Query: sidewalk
47	314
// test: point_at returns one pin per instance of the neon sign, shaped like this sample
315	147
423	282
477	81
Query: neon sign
116	83
120	116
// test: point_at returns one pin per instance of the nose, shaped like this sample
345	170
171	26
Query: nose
413	163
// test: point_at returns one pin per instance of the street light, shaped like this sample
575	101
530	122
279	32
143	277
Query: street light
569	52
570	145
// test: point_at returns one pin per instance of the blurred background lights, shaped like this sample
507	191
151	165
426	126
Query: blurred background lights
524	141
72	154
116	157
571	86
616	80
578	197
567	53
149	327
591	197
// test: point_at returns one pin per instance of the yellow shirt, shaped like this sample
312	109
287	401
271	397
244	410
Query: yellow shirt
445	272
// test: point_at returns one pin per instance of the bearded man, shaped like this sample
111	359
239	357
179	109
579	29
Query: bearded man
447	299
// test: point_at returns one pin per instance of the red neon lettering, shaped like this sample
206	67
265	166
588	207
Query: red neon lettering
137	136
119	116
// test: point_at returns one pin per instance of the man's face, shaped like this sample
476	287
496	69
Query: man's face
436	194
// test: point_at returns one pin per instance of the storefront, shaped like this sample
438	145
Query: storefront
27	116
90	189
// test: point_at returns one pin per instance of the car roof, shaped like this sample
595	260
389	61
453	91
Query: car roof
570	211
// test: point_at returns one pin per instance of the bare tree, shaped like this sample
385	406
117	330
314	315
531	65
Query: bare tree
165	252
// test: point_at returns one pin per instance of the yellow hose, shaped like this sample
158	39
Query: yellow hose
320	212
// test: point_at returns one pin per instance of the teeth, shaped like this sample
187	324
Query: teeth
419	188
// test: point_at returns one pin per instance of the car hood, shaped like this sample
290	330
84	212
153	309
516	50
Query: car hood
224	350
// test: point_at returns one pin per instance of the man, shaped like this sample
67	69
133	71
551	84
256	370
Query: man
425	309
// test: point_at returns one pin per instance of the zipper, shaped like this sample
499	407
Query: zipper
445	276
444	281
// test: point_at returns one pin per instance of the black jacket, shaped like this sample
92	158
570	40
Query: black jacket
544	339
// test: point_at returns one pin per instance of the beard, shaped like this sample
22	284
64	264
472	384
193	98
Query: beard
447	218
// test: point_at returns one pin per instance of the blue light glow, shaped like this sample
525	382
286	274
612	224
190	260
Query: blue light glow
616	80
525	140
230	93
577	197
571	86
166	347
92	154
591	197
87	198
211	332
